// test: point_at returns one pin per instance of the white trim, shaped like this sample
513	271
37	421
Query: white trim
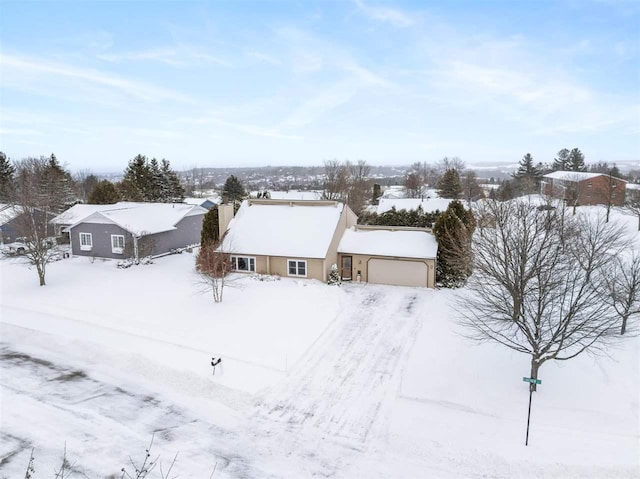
84	244
250	261
297	267
117	249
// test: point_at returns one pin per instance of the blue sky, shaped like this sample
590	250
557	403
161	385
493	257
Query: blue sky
241	83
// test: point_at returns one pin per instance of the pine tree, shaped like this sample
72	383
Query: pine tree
454	230
138	180
104	193
174	191
334	276
561	162
210	227
576	161
449	185
7	171
233	190
157	186
377	193
527	176
55	185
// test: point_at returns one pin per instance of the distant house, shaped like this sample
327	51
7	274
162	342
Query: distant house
127	230
632	191
12	222
207	203
582	188
304	238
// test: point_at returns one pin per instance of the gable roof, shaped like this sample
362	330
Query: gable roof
144	218
81	211
201	201
575	175
403	243
9	212
302	229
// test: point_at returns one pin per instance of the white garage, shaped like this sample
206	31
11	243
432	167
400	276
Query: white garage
394	255
401	273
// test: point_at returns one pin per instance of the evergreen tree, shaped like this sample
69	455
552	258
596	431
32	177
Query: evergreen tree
173	190
210	227
334	276
527	176
55	185
576	161
561	162
7	171
137	181
104	193
454	230
377	193
233	190
449	185
158	189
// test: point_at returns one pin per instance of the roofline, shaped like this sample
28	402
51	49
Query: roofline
548	175
262	201
391	228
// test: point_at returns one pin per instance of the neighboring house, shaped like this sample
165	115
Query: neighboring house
207	203
136	230
632	191
304	238
291	194
12	222
582	188
428	205
77	212
389	255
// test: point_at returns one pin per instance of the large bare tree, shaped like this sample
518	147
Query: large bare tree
213	266
538	285
623	281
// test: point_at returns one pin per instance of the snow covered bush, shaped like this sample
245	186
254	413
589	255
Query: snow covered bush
334	276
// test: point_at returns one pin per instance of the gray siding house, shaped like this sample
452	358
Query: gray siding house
141	229
13	222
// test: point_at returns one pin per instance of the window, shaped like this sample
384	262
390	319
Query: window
117	244
297	267
590	184
86	243
243	263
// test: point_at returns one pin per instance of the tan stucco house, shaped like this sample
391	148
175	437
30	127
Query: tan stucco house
304	238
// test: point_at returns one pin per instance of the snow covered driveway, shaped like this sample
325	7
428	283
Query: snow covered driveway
342	391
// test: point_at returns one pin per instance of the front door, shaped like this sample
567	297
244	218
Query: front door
346	268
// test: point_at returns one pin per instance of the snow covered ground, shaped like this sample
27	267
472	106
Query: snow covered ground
361	381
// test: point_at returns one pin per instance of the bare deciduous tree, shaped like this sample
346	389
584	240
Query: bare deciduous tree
358	185
623	282
535	295
336	180
213	266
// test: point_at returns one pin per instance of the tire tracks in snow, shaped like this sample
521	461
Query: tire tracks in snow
342	390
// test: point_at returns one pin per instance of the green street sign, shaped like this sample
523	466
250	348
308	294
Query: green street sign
532	381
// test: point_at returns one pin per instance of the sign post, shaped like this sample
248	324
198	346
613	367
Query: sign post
531	382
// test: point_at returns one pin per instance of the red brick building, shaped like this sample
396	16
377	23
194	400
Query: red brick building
581	188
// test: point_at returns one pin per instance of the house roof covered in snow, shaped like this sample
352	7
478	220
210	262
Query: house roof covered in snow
398	242
201	201
144	218
574	175
80	211
9	212
428	205
283	228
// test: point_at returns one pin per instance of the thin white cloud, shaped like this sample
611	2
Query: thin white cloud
173	56
395	17
251	129
264	58
131	88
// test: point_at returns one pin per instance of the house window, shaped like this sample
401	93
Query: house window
589	185
117	244
243	263
297	267
86	242
613	195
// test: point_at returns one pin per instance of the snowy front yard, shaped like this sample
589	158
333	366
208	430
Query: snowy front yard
358	381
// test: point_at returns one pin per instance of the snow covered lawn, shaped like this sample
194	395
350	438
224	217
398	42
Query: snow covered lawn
363	381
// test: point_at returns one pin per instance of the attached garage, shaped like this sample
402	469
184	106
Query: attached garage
401	273
389	255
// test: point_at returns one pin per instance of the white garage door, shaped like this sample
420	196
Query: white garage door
401	273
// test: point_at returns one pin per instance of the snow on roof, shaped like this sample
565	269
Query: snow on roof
81	211
283	229
386	242
572	175
633	186
200	201
9	212
293	195
144	218
428	204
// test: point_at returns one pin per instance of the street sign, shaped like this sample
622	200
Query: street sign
532	381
